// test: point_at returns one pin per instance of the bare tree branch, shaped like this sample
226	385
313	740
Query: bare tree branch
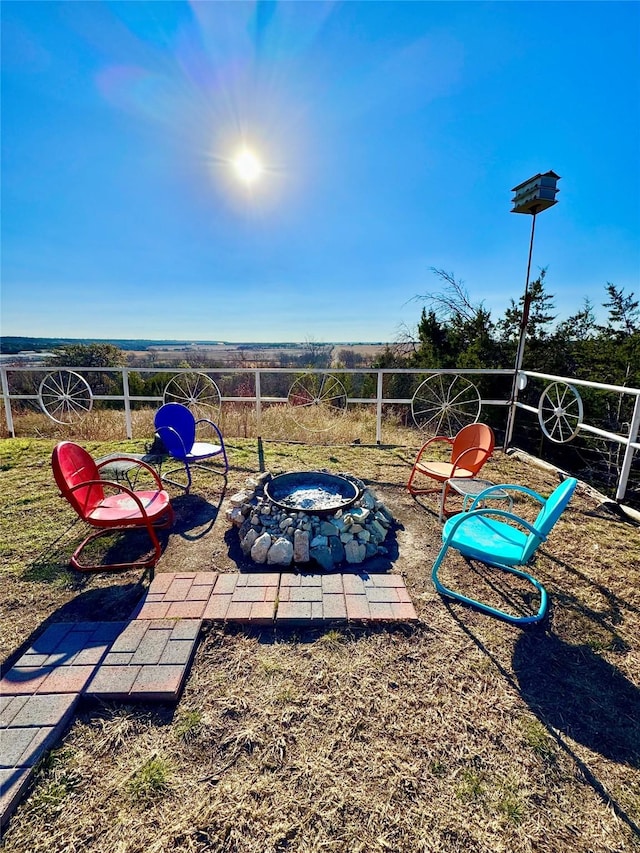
453	300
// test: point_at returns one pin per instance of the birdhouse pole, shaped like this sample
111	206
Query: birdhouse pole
532	196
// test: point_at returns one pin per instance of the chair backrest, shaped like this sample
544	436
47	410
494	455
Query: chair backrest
72	465
176	426
551	511
478	436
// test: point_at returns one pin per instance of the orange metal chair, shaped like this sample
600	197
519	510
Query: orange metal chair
470	449
78	478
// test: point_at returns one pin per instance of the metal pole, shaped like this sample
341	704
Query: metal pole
127	402
258	405
379	409
634	434
7	402
523	331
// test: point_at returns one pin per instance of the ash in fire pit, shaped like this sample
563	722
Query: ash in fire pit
345	523
311	491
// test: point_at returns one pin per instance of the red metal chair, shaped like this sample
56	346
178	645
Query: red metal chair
78	478
470	449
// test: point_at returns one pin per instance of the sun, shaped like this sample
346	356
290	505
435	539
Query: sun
247	166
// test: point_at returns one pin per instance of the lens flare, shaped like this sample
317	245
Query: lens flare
247	166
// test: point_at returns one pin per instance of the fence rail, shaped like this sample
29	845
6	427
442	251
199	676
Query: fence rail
629	438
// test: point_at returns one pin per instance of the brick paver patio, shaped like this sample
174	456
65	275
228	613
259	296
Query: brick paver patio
148	657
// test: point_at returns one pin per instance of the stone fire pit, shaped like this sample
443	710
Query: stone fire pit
276	528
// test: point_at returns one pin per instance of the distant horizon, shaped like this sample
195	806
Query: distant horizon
179	341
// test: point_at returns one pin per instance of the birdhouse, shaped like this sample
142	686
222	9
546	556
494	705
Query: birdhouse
536	194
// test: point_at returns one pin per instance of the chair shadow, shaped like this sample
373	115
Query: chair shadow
616	604
562	684
430	503
194	516
194	519
115	546
573	690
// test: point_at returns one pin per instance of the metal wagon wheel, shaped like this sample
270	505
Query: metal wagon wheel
317	393
445	401
65	396
560	412
197	391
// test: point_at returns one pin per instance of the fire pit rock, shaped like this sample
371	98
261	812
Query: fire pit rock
273	535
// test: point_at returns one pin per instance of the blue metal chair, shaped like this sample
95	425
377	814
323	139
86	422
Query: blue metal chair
504	540
176	426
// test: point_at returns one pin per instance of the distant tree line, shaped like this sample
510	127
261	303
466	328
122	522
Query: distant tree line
453	332
12	344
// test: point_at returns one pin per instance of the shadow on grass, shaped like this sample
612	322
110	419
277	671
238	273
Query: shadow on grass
115	546
574	692
612	512
616	604
194	518
113	603
334	634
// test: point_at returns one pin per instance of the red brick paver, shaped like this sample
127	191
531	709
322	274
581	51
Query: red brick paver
176	595
149	660
244	598
338	597
61	659
29	726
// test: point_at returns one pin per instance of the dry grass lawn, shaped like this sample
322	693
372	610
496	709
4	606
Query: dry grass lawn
461	733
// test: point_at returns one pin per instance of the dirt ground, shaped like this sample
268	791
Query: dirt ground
204	539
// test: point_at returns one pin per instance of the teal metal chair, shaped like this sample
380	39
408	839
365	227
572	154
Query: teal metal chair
504	540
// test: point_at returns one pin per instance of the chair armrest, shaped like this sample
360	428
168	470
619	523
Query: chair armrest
176	434
474	449
115	485
430	441
138	462
463	517
211	423
506	487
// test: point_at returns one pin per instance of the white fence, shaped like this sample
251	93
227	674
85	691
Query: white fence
442	400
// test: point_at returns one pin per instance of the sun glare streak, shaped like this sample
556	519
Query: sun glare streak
247	166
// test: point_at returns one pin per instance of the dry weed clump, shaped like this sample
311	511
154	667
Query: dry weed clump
461	733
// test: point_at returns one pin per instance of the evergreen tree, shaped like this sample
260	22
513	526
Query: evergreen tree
624	312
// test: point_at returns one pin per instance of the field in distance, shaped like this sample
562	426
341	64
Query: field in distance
351	355
167	353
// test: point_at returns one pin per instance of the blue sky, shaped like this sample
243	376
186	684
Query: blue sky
391	134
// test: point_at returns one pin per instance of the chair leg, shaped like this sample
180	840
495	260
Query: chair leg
166	478
226	460
188	467
443	500
417	490
149	563
486	608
